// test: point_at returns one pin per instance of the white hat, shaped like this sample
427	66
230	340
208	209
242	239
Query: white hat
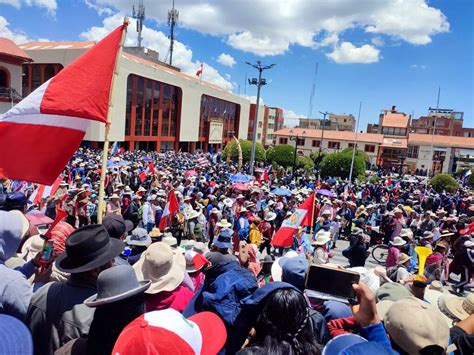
276	266
368	277
32	246
192	214
270	216
228	202
271	203
223	223
398	241
322	237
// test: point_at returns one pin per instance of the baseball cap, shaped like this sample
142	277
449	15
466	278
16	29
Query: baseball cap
116	226
414	325
168	332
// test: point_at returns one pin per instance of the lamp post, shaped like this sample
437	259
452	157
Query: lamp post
259	83
322	139
295	138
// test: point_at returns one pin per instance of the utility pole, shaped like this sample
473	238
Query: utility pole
173	15
431	170
313	90
259	83
139	15
355	144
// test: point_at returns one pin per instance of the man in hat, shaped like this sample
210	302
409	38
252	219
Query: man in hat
57	313
149	211
221	245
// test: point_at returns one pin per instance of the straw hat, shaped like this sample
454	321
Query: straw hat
223	223
243	210
457	308
322	237
214	210
192	214
114	197
398	241
155	233
402	258
162	266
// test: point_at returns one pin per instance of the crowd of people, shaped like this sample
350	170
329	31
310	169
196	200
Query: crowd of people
212	279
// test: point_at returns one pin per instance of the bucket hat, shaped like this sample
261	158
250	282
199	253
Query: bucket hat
168	332
398	241
163	266
88	248
457	308
115	284
138	237
228	202
322	237
16	337
155	233
270	216
224	239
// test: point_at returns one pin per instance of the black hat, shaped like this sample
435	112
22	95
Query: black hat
88	248
116	226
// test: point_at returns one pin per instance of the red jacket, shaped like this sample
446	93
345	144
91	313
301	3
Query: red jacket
177	299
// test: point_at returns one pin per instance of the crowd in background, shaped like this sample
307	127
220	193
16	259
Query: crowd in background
212	279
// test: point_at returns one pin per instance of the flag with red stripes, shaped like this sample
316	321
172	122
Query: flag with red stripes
39	135
170	209
43	191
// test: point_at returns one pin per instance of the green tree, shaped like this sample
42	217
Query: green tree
339	165
445	182
282	154
246	147
306	163
359	153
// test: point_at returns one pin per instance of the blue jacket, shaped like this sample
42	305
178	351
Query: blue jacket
224	288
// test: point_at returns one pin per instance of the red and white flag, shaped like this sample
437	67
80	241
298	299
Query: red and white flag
199	71
43	191
171	208
40	134
301	217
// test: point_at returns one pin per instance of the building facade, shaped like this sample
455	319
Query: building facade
333	122
446	122
156	106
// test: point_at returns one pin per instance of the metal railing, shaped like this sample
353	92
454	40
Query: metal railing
10	93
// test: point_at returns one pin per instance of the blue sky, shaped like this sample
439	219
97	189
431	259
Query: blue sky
380	52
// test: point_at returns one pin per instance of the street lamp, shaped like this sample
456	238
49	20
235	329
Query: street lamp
259	83
295	138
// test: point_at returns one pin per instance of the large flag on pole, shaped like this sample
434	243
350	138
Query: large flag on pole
39	135
171	208
301	217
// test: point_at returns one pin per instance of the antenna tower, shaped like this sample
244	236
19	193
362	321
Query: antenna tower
172	21
140	16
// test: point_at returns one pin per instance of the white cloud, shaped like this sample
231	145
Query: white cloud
101	10
157	40
291	118
271	27
418	66
347	53
16	36
49	5
226	59
377	41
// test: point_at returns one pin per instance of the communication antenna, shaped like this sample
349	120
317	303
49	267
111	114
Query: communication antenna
172	20
313	90
140	16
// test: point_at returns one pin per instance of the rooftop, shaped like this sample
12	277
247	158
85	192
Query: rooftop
56	45
337	135
9	48
443	141
398	120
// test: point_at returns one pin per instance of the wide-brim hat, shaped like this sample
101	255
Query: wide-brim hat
115	284
340	343
228	202
88	248
270	216
276	266
402	258
114	196
456	308
243	210
223	223
398	241
163	266
32	246
155	233
192	214
322	237
138	237
214	210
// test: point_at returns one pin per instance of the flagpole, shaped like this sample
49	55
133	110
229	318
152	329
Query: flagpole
103	171
312	213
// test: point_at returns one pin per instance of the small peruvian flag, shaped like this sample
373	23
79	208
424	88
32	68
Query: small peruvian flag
199	72
170	209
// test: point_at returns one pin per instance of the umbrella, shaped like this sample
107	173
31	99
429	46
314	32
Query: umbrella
331	181
190	172
118	164
147	158
325	192
240	178
280	191
241	186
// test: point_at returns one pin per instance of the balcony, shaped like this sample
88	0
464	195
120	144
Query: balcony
10	94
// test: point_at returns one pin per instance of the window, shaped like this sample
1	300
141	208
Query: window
149	86
316	144
413	151
128	118
334	145
35	77
139	107
217	109
300	141
4	78
260	124
156	109
165	115
49	72
269	137
271	126
351	145
283	140
369	148
259	136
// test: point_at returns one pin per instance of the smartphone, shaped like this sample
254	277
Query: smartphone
327	282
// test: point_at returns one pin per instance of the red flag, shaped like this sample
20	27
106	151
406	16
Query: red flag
151	168
199	72
60	214
142	176
171	208
388	182
45	129
44	191
468	230
301	217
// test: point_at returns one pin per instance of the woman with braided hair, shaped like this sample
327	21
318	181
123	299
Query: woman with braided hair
285	326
